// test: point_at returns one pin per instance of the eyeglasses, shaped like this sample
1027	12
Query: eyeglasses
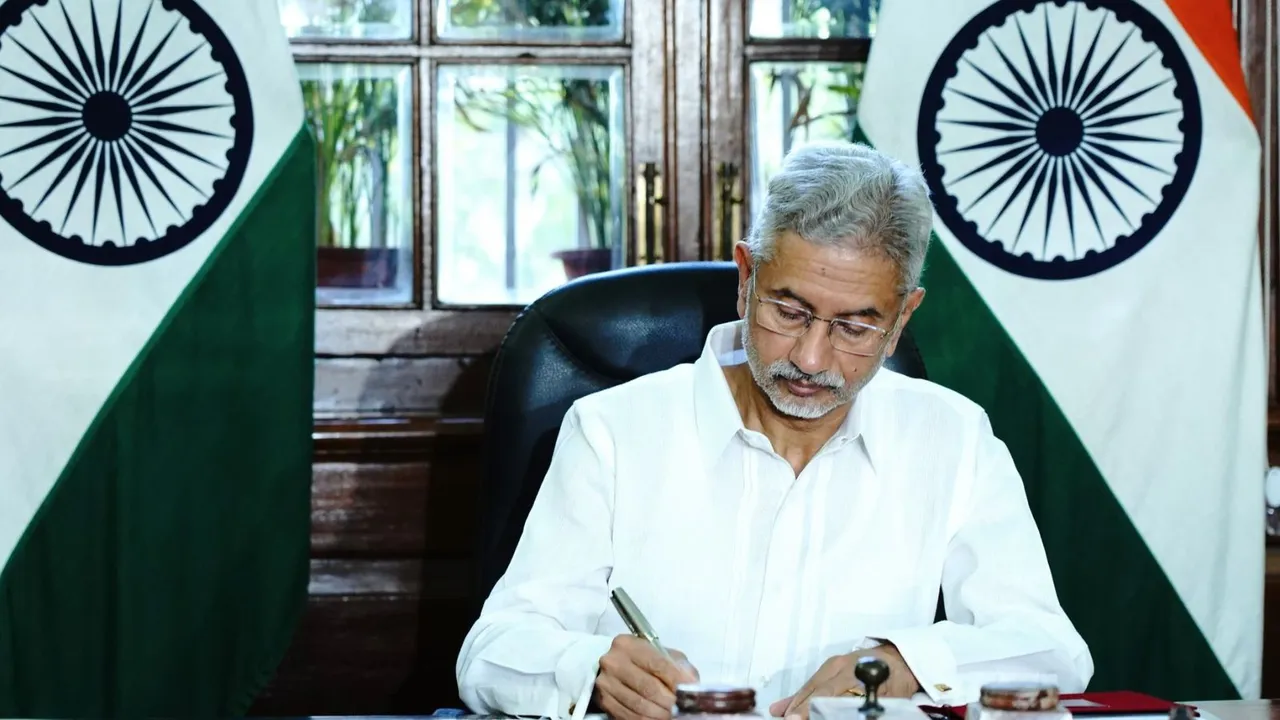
848	336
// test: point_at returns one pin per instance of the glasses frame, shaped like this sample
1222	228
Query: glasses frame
831	323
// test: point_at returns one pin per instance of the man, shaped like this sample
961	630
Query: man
783	505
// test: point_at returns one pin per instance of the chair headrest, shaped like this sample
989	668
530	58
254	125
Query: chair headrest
631	322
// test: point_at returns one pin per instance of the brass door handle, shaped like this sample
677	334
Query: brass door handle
729	202
649	209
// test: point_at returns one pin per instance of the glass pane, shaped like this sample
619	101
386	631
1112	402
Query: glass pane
794	103
813	18
362	117
363	19
531	179
553	21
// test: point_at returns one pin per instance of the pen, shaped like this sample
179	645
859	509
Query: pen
636	621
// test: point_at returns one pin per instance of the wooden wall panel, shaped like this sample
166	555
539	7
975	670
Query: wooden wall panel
352	655
369	509
1256	24
389	509
1271	627
433	332
447	579
377	638
392	386
372	653
393	501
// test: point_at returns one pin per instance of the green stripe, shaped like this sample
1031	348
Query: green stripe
1141	635
166	571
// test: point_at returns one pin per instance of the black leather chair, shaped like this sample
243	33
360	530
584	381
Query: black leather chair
588	335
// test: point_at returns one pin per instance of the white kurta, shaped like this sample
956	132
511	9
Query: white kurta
759	575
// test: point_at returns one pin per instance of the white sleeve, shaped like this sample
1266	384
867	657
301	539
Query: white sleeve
1004	621
532	651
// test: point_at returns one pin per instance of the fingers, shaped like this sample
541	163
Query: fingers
620	699
800	701
614	709
833	678
900	689
798	709
799	704
780	706
632	673
636	682
652	661
902	681
690	673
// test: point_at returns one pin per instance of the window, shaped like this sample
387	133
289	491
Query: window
790	72
473	153
361	115
531	176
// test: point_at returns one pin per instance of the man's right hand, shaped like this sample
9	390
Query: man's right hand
636	682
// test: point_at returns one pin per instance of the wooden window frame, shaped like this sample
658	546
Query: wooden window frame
730	53
423	327
1256	26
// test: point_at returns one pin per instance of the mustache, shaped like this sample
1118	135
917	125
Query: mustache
784	370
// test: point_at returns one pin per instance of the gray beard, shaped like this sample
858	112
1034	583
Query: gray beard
770	378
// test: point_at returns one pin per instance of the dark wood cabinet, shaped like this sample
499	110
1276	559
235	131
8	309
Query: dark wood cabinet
391	574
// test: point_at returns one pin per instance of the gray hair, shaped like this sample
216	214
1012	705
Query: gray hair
848	195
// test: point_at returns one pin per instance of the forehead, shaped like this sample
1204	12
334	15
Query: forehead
829	272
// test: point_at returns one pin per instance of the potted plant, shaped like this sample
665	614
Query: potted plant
571	115
354	121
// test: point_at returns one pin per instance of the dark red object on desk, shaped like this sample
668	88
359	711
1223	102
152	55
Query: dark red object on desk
1120	702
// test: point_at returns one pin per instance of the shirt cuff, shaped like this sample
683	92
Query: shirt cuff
930	659
576	673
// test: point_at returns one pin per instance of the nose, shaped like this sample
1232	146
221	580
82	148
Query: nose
812	351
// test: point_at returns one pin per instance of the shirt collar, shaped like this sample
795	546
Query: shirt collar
716	414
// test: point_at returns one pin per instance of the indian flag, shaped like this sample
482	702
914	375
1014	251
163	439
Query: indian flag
1095	285
156	280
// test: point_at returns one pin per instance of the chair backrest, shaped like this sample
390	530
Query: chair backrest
589	335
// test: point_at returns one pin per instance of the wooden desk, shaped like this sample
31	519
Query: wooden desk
1242	709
